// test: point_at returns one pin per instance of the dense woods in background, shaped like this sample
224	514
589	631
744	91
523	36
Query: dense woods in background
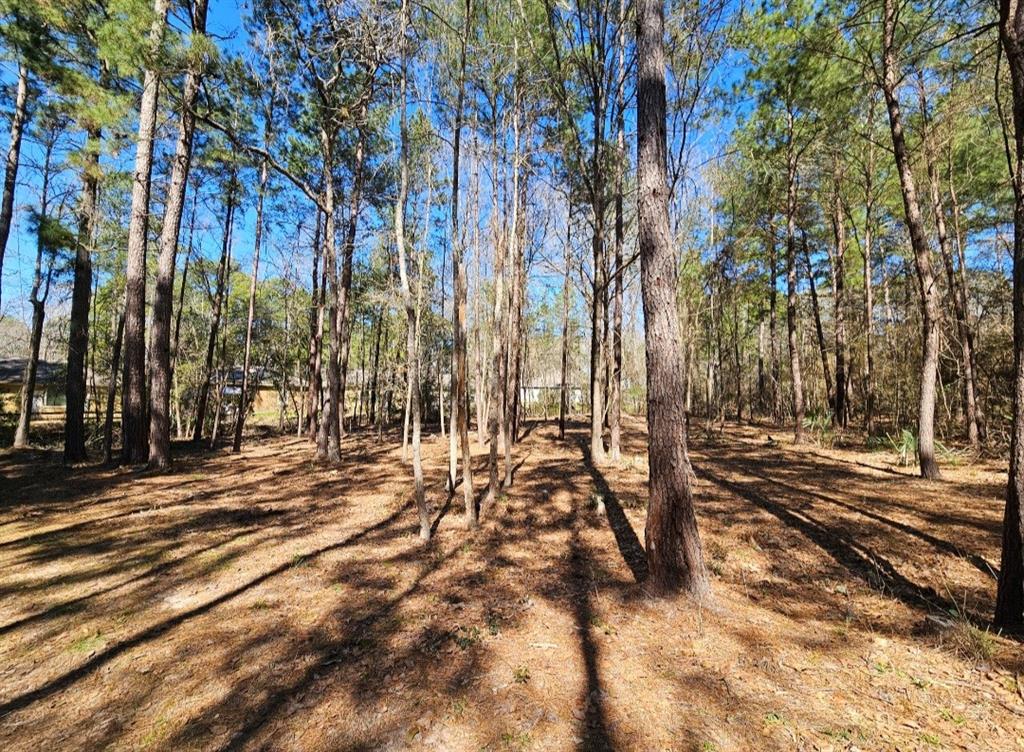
449	217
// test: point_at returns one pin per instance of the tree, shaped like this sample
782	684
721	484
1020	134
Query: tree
133	409
412	358
1010	593
674	555
163	292
927	290
460	370
51	237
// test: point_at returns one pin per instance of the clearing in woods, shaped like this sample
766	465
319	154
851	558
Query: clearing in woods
260	601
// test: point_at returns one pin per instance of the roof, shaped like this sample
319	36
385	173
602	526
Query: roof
12	371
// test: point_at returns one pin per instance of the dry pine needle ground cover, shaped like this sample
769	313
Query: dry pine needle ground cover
260	601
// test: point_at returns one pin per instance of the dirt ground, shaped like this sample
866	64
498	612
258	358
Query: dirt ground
260	601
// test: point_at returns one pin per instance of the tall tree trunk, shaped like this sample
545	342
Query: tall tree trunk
243	396
460	397
78	326
928	291
1010	593
496	420
176	338
316	328
674	555
344	328
791	300
866	249
133	407
563	399
411	348
773	318
478	355
163	291
516	338
13	159
599	294
840	406
211	343
615	387
328	445
959	303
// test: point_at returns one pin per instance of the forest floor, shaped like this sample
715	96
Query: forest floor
260	601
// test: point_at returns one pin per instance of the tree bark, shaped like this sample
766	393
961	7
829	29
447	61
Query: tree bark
496	422
563	400
411	349
869	314
1009	611
927	289
615	387
133	408
328	445
773	347
478	356
316	328
460	398
345	290
840	406
674	555
163	291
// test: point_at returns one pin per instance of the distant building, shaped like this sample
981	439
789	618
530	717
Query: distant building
48	401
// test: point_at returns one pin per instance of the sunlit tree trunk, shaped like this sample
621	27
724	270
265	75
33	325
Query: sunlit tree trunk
866	250
345	291
674	555
133	402
959	303
927	288
163	291
615	387
411	309
460	398
563	402
773	346
316	328
840	404
328	445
